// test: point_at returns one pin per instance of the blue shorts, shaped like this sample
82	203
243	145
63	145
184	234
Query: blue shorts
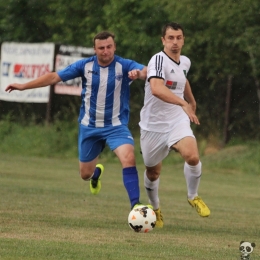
92	141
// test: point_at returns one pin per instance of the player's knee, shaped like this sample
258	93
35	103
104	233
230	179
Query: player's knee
128	160
85	175
152	175
193	160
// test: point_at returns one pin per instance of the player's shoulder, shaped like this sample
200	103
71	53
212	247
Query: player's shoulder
127	64
157	57
158	54
83	61
185	60
89	59
122	60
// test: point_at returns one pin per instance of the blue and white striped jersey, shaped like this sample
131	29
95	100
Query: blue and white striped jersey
105	90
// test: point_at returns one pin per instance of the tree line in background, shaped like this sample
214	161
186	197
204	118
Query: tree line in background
222	41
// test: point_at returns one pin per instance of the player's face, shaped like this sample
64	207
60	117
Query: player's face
105	50
173	41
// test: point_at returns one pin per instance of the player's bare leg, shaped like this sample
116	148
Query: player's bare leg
86	169
93	172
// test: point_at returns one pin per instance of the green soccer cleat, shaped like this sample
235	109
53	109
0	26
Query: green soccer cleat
200	206
141	204
95	185
159	218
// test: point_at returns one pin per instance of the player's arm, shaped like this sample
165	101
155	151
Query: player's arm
138	74
45	80
189	96
160	91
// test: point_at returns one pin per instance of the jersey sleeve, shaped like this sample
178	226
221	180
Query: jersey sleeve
129	65
72	71
155	67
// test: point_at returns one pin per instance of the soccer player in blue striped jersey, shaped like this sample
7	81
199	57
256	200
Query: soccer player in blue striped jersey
104	111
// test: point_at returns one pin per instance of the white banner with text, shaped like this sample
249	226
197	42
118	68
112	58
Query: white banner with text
23	62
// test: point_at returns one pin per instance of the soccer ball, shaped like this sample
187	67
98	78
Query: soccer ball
142	219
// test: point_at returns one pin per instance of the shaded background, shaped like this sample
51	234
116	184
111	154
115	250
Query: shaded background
222	41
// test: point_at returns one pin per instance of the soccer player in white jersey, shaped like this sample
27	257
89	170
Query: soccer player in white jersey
169	106
104	112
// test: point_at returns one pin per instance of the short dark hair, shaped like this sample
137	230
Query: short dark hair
174	26
103	36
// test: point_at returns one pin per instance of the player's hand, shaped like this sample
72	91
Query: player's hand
193	107
14	86
191	114
134	74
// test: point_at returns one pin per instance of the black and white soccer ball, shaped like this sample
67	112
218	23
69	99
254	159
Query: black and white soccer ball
142	219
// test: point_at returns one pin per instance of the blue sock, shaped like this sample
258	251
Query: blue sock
131	182
96	174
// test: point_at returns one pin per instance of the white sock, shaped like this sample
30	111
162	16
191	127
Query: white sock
192	175
151	188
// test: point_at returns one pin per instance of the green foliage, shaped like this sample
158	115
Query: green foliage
222	40
25	21
143	35
76	22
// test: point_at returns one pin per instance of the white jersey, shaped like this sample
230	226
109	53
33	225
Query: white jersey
157	115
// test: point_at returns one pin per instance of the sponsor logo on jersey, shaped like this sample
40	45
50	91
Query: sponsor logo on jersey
171	84
93	72
172	71
30	70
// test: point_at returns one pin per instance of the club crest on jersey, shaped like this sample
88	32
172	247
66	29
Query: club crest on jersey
119	77
171	84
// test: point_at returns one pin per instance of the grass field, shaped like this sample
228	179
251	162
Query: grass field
47	211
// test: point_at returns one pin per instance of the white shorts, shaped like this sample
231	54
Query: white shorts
156	146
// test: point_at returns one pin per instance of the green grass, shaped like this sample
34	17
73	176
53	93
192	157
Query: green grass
58	139
47	211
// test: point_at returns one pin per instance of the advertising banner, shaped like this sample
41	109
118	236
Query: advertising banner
23	62
66	56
